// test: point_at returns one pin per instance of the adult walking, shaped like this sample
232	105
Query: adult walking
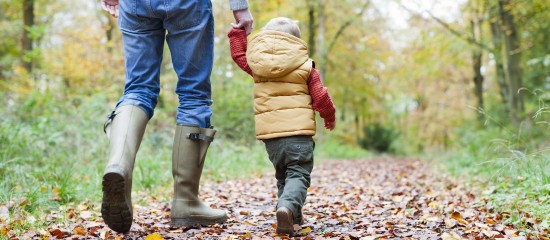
188	28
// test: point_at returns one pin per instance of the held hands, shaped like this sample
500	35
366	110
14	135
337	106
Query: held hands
244	20
110	6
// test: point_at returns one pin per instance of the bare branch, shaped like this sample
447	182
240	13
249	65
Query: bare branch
345	25
463	36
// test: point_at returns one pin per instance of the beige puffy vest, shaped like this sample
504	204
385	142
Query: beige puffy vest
281	68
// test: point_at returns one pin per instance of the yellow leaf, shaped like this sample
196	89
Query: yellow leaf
457	216
4	230
247	235
43	188
79	230
433	204
346	219
154	236
490	221
305	230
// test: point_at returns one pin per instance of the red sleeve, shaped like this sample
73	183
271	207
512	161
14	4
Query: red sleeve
321	100
237	44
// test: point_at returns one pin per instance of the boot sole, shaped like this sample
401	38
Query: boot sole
187	222
284	223
116	212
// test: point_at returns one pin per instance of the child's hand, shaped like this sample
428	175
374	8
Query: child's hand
110	6
330	124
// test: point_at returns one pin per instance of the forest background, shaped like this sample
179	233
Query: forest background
463	84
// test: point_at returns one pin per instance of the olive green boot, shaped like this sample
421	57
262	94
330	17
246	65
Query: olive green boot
190	146
124	129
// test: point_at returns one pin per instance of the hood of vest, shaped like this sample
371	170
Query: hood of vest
274	54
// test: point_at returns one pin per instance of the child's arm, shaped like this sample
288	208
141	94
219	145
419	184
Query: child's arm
321	100
237	44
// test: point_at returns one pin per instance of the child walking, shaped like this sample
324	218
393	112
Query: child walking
287	88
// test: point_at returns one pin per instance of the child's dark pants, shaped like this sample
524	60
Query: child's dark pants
292	158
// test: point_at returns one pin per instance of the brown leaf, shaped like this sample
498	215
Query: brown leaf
243	212
56	233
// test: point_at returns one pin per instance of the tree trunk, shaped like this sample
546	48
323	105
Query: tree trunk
477	55
111	25
311	27
499	66
26	40
321	49
512	61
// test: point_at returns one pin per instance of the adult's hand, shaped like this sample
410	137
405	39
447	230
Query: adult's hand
110	6
244	20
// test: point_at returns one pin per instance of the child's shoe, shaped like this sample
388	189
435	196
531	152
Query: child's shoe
285	224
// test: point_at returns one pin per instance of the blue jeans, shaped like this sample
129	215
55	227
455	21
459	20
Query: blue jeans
188	27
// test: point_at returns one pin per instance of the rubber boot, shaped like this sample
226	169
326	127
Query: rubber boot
190	146
125	130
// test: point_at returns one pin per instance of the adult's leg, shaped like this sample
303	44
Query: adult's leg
190	37
143	39
191	41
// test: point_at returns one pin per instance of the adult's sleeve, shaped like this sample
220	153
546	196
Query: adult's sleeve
238	4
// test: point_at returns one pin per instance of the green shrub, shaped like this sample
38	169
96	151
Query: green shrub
378	137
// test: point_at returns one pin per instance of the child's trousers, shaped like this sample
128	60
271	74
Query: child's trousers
292	158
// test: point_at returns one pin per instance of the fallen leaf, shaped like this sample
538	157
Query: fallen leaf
305	230
56	233
105	234
250	223
490	221
457	216
154	236
85	215
450	236
4	230
243	212
450	223
79	230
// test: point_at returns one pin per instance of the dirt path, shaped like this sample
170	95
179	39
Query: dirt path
370	199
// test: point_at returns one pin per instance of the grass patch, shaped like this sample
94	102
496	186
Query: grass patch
512	168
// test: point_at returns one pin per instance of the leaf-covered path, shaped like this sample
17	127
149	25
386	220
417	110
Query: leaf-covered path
369	199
